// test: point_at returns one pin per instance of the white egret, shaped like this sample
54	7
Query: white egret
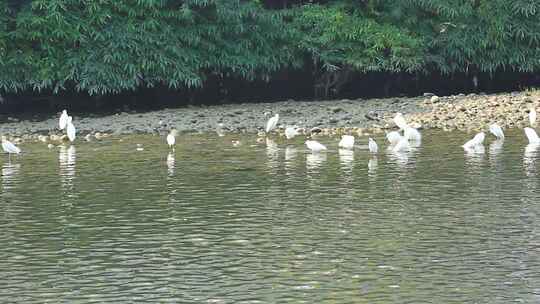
372	145
9	147
400	121
171	139
412	134
477	140
532	136
393	137
496	130
401	145
70	129
291	132
346	142
532	117
62	122
315	146
220	130
272	123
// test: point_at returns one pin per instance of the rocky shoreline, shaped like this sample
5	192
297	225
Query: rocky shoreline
458	112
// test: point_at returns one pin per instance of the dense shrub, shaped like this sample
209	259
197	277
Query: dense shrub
111	46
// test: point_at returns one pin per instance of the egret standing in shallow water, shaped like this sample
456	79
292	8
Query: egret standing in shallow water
402	145
477	140
372	145
272	123
409	132
532	136
532	116
291	132
9	147
393	137
412	134
315	146
171	139
400	121
496	130
62	122
346	142
70	128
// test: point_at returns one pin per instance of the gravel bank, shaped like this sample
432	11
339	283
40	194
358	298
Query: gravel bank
234	117
462	112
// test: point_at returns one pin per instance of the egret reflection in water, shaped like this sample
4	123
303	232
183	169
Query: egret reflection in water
400	158
214	234
496	147
9	175
67	159
373	163
529	158
474	157
290	153
272	153
315	160
346	158
170	163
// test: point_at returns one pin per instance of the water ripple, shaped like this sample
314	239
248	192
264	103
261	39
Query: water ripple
270	223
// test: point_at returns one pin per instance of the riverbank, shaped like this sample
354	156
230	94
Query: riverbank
457	112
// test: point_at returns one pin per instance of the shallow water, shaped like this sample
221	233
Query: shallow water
212	223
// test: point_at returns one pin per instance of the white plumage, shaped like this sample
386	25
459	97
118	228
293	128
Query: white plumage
70	129
532	136
291	132
62	122
477	140
393	137
315	146
412	134
400	121
9	147
532	117
401	145
496	130
272	123
171	138
346	142
372	145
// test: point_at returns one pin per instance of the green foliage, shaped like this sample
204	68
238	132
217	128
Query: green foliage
336	37
110	46
479	35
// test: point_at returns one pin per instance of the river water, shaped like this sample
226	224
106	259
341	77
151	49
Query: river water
102	222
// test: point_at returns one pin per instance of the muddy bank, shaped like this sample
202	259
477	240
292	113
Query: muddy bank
463	112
